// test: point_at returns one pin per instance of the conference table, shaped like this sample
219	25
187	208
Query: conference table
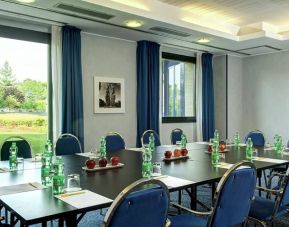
40	206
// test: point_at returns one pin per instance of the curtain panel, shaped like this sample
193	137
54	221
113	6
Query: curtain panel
148	83
72	94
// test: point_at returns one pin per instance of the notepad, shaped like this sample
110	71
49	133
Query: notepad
225	165
232	145
139	149
261	159
18	188
88	154
83	199
4	169
174	182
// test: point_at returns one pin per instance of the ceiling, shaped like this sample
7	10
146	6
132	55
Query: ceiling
242	28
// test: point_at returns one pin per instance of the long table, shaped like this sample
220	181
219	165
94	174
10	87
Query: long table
41	206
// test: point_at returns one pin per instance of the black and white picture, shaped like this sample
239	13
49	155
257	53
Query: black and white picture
109	95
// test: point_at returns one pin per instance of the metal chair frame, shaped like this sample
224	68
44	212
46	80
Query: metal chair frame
17	137
116	134
71	135
131	188
279	196
149	131
218	191
175	130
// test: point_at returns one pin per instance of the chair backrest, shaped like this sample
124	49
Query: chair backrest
176	135
146	135
140	207
234	193
114	141
24	148
283	198
67	144
257	138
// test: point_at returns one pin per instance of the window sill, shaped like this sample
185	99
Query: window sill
178	119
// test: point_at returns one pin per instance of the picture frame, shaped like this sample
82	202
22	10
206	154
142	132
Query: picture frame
109	95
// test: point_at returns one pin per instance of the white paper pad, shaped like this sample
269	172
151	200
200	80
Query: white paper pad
4	170
269	160
83	199
12	189
88	155
225	165
232	145
203	143
174	182
135	149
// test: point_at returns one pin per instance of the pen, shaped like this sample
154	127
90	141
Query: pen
71	194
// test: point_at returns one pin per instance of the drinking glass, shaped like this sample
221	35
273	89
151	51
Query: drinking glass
222	157
255	154
73	183
157	169
20	161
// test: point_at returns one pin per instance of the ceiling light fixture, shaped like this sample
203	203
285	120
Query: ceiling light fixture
203	40
133	23
26	1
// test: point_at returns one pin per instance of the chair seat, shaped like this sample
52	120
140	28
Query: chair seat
187	220
262	208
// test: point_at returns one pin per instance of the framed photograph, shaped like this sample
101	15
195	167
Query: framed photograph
109	95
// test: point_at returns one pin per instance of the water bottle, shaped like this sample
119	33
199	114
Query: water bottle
237	139
249	149
215	153
279	145
152	142
58	177
102	148
13	164
46	169
217	135
147	166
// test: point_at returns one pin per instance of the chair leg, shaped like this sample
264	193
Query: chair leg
265	178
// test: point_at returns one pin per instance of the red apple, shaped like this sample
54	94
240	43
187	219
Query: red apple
90	164
114	160
210	148
177	152
222	147
184	152
102	162
168	154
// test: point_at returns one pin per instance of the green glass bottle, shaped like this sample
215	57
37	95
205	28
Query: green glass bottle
13	164
215	157
237	139
183	141
217	135
46	169
279	145
152	142
102	148
147	166
58	177
249	149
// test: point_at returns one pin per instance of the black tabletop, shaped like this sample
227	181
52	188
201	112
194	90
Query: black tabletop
110	183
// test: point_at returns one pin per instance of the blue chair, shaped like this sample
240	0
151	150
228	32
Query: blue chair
257	138
67	144
146	135
264	211
231	203
176	135
24	148
114	141
136	206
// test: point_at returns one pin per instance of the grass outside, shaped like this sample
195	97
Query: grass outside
34	134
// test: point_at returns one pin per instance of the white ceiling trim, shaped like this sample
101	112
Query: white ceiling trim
167	13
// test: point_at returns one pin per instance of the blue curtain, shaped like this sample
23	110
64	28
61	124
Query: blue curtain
208	97
148	67
72	95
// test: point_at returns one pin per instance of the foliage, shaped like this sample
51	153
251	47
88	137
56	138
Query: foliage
6	76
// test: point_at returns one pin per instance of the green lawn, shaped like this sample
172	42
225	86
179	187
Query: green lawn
35	135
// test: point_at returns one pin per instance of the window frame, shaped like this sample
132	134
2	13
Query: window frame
183	58
37	37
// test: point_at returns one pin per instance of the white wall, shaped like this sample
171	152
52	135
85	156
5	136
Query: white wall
106	57
235	96
266	102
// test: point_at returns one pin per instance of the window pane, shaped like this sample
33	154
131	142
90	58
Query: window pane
178	88
23	91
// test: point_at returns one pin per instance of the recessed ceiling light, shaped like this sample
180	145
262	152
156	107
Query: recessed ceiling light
26	1
134	23
204	40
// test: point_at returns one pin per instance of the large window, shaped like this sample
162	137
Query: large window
179	91
24	69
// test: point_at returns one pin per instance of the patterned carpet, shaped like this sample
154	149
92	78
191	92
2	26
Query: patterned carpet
94	219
